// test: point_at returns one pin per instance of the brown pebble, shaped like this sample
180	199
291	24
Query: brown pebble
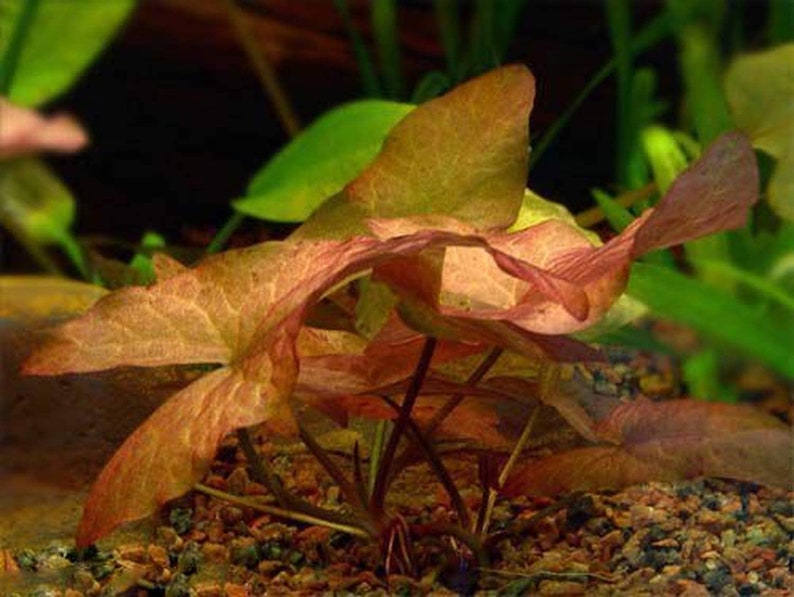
235	590
755	564
712	521
307	579
709	555
305	480
85	582
656	384
158	555
253	488
169	537
216	482
690	588
208	589
216	531
237	481
196	536
132	553
269	567
556	587
214	552
7	562
231	515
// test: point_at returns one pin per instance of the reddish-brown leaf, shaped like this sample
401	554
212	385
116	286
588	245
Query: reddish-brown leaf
668	441
24	132
473	419
548	278
464	154
713	194
165	456
242	309
336	364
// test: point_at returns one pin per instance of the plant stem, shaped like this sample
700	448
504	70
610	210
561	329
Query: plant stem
263	473
222	236
264	71
347	488
379	490
460	533
438	467
484	521
10	58
358	476
376	453
280	512
472	380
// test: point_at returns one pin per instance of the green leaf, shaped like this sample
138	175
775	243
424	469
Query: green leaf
622	312
385	30
535	209
65	36
699	59
618	216
760	88
701	373
666	157
38	209
320	161
764	287
142	260
780	23
448	23
717	315
34	202
375	304
431	85
366	69
18	32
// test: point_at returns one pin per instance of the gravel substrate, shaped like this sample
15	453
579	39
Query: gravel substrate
705	537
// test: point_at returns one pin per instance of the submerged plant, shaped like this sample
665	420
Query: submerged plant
409	283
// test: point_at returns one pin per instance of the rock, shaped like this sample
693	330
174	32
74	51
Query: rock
556	587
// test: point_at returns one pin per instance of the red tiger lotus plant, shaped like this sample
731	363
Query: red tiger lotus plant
428	219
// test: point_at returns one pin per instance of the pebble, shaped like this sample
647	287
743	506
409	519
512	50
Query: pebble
208	589
235	590
237	482
556	587
214	552
85	582
158	555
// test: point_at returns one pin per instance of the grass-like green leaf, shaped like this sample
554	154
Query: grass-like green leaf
719	316
34	201
63	39
320	161
699	59
385	30
618	216
38	209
